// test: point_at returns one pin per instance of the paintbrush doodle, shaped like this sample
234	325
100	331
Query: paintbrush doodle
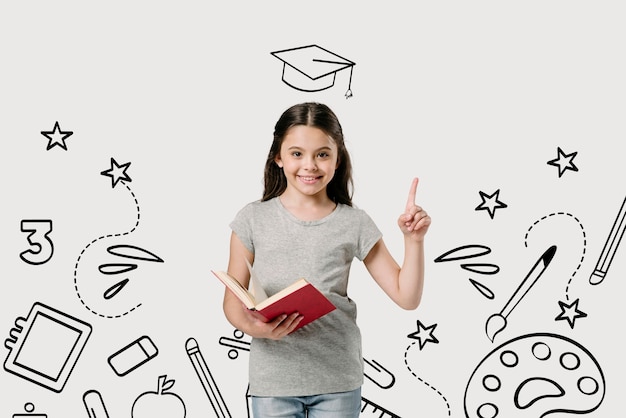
498	321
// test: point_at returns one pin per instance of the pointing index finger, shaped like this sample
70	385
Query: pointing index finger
411	199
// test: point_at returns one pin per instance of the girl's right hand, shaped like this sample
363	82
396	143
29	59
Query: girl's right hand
273	330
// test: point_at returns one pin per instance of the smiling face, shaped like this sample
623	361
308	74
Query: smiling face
308	157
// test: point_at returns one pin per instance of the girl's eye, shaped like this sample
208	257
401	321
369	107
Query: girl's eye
322	154
296	153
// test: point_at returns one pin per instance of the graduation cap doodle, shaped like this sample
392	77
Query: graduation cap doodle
312	68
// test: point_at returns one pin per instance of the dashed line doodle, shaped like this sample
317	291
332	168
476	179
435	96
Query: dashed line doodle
568	311
441	395
76	266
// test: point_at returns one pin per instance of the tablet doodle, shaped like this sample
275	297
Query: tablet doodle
45	347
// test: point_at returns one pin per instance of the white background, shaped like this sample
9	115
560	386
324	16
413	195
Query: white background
469	96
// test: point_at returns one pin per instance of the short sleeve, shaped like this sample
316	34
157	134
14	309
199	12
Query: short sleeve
369	235
242	226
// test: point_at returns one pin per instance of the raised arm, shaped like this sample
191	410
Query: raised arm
404	285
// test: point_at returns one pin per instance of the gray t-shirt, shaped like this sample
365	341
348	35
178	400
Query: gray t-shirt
324	356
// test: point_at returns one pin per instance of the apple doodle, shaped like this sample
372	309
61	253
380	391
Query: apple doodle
533	376
160	403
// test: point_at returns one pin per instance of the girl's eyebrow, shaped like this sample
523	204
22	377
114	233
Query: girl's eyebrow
319	149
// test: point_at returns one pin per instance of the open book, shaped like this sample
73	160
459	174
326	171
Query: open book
301	296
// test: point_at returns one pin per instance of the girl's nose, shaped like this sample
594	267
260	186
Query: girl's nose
309	164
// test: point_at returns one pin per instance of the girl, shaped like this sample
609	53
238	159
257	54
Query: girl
306	226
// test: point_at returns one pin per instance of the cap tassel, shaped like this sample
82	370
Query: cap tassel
349	91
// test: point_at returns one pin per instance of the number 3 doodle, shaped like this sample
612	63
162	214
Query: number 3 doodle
41	245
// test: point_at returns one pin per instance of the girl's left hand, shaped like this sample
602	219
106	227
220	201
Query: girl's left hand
414	222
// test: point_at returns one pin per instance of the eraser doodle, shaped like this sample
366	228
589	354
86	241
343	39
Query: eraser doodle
44	347
133	355
533	376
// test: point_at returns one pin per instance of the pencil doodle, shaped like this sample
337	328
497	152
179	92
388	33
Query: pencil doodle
610	246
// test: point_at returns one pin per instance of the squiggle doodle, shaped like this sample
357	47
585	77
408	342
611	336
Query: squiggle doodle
93	242
406	362
584	250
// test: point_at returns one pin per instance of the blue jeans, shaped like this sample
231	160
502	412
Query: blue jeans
329	405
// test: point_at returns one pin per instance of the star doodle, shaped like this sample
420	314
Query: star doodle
564	161
56	137
570	313
424	334
490	203
117	172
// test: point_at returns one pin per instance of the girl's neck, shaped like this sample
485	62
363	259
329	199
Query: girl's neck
307	208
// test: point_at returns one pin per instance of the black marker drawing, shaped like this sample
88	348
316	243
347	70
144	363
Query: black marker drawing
312	68
484	290
497	322
41	246
369	408
160	403
490	202
30	409
133	355
570	313
382	377
56	137
117	172
235	344
424	334
112	291
44	347
471	251
610	246
430	386
533	376
206	379
94	404
564	161
127	251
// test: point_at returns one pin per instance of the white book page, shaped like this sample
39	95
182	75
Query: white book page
255	287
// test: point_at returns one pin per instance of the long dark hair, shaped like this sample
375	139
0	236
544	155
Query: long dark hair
319	116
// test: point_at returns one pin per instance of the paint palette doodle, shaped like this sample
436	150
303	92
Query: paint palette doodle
533	376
